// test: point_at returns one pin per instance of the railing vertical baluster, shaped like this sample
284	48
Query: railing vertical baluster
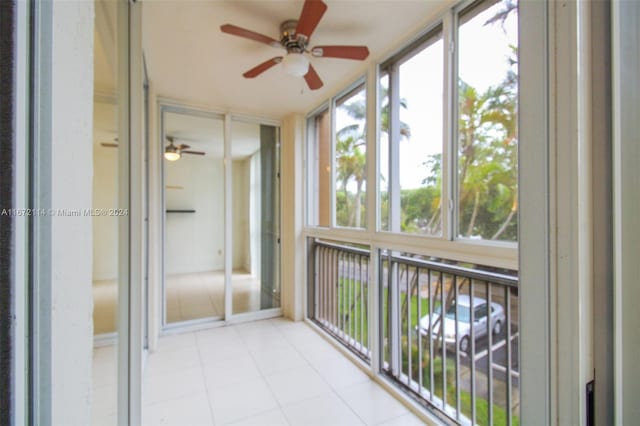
472	353
352	297
490	354
507	304
430	334
457	348
338	292
324	284
409	340
320	281
362	302
333	303
398	307
419	337
444	344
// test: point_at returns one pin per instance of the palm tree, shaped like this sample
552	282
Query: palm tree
351	146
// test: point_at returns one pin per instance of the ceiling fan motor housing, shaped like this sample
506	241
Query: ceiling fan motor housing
291	41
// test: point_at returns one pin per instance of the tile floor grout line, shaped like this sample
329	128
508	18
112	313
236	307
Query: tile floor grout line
204	378
332	390
263	377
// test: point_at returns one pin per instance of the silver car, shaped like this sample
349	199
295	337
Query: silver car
480	316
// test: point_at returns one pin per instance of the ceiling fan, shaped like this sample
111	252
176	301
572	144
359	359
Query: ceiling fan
294	37
173	152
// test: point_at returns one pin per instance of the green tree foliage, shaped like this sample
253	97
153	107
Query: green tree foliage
351	159
487	158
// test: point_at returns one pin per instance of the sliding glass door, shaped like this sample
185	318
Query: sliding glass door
221	221
194	249
255	165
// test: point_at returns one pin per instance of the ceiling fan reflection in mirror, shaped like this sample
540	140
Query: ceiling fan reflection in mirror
294	37
173	152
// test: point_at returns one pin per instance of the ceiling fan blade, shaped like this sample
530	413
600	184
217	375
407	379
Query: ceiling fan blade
109	144
344	52
312	12
312	78
192	152
256	71
241	32
183	146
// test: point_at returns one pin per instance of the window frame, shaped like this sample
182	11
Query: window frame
391	66
311	154
495	253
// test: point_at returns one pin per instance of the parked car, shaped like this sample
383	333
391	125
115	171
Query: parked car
464	319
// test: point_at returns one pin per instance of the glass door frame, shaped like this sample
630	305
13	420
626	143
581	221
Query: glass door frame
166	105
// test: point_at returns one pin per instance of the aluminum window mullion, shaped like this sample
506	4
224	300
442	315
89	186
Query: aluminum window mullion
448	209
332	156
394	149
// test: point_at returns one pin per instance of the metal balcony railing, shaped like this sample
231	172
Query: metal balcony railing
450	337
338	302
448	334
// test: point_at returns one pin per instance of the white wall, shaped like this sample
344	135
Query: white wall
195	241
241	259
71	322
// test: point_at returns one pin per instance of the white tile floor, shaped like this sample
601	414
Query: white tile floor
272	372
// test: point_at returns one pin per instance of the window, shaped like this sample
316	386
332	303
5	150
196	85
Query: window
412	138
448	152
487	153
350	159
337	172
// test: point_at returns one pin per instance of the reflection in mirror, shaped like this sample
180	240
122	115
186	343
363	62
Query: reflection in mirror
105	228
255	213
194	221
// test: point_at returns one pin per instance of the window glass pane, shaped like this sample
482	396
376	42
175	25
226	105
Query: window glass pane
351	159
487	119
420	139
319	169
411	139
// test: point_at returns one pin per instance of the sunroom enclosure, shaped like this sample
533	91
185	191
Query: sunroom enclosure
412	216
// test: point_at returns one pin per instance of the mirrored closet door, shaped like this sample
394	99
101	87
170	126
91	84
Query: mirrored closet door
194	252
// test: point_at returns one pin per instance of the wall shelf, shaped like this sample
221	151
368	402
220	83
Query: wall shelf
180	211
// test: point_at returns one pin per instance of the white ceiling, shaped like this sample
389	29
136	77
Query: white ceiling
190	59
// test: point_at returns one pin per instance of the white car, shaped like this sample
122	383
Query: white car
464	319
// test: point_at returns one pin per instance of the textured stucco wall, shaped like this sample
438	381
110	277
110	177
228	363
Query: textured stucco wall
293	243
72	106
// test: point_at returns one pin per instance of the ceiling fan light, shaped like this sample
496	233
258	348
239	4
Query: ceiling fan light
295	64
172	155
